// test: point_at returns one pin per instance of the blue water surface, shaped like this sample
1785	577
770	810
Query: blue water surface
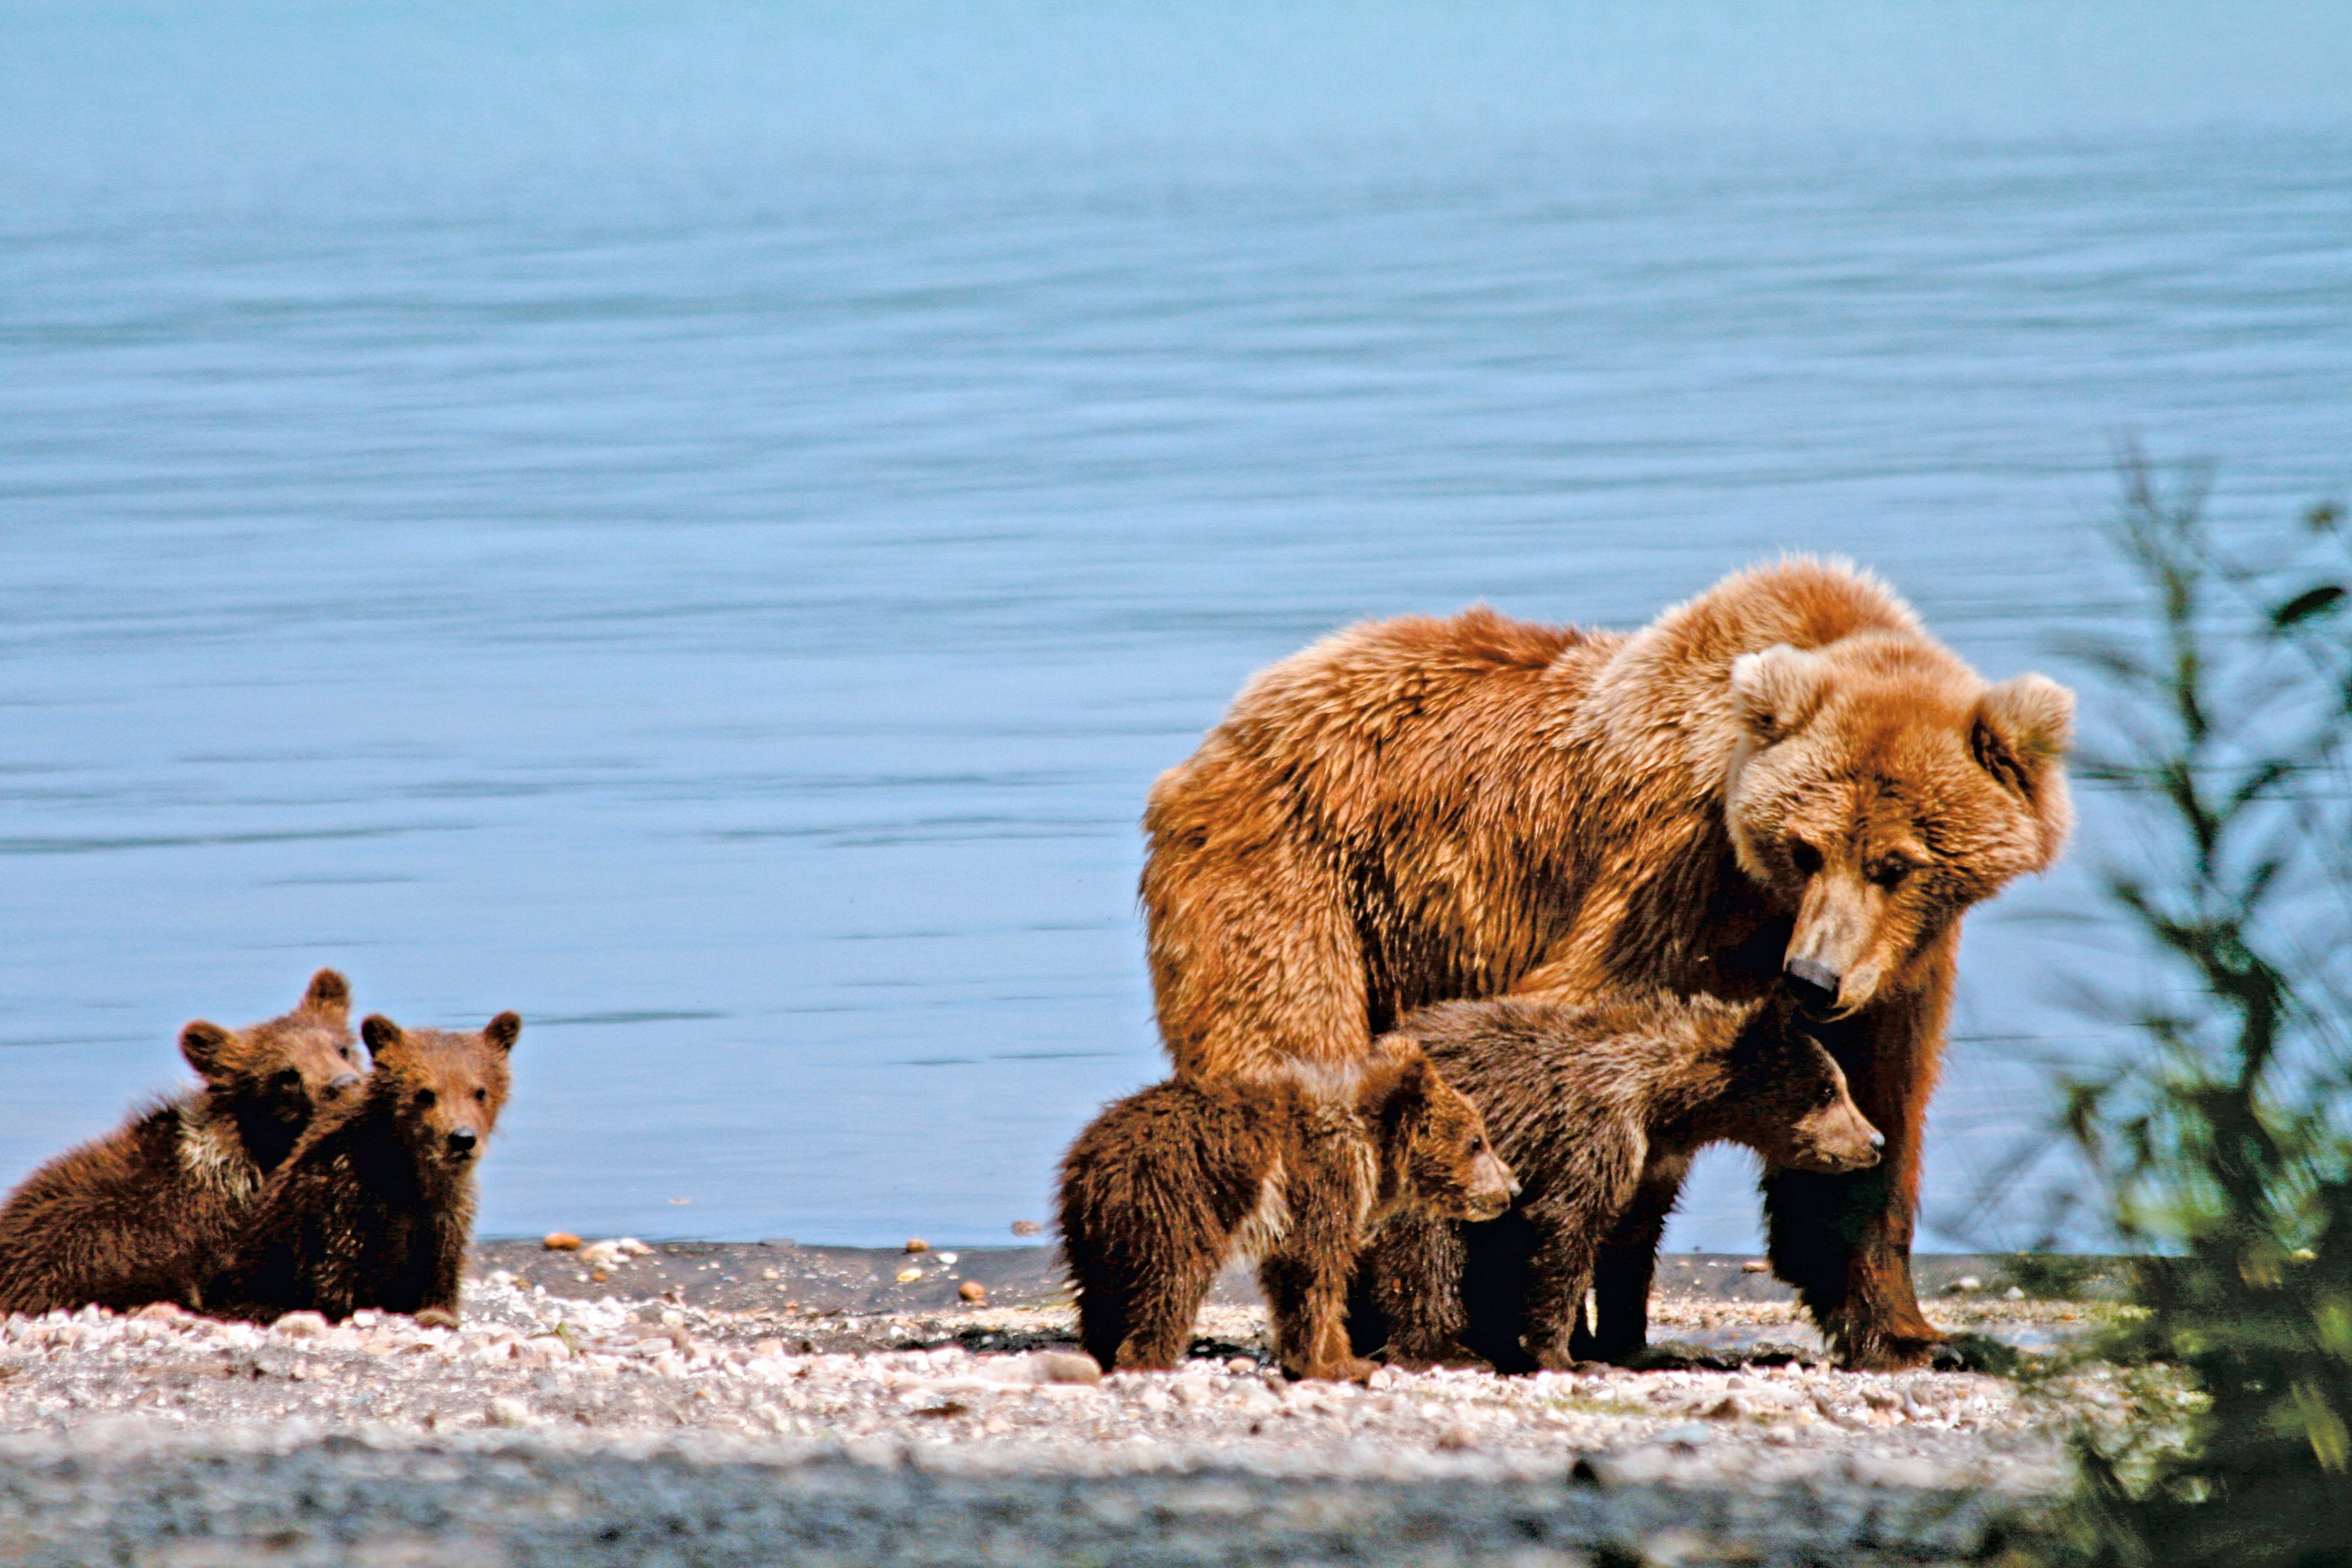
700	522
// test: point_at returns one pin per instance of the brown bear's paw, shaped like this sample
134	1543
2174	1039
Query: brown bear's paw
1895	1353
1339	1369
1425	1355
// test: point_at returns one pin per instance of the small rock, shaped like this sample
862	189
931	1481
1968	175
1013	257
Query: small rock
301	1326
769	1274
1756	1266
161	1313
436	1318
1965	1285
916	1244
560	1241
1061	1367
972	1290
947	1259
1456	1439
2012	1294
1026	1227
1241	1366
908	1275
505	1411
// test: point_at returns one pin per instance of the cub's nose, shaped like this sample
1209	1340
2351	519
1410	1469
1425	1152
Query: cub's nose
462	1141
1877	1139
338	1087
1812	986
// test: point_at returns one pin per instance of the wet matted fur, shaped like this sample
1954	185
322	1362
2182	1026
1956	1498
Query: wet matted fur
1784	775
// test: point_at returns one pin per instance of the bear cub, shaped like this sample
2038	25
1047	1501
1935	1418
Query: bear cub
130	1218
1168	1185
1588	1104
376	1205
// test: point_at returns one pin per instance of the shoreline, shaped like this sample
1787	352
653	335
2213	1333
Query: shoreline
681	1410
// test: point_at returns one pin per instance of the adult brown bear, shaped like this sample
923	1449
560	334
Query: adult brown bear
1783	781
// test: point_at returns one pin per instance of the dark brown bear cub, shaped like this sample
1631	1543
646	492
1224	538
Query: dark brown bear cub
130	1218
1592	1106
1166	1185
376	1205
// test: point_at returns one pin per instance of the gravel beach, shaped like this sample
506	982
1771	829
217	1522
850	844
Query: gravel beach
651	1421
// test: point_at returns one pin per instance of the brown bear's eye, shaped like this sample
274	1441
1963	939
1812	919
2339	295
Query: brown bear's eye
1890	873
482	1094
1804	857
424	1099
1477	1145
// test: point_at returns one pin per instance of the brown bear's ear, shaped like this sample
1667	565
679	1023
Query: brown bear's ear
1777	689
206	1047
503	1031
329	993
381	1034
2021	727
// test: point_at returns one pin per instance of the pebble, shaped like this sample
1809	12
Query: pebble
2012	1294
1061	1367
1027	1227
972	1290
1756	1266
301	1326
560	1241
908	1275
505	1411
916	1244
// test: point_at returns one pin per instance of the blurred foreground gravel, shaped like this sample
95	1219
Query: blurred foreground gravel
625	1429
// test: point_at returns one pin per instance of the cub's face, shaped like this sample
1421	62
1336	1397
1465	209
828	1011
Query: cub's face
445	1090
1449	1166
283	1070
1877	792
1796	1111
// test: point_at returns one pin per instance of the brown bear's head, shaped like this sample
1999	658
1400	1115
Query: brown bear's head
1434	1153
271	1077
443	1090
1789	1101
1878	789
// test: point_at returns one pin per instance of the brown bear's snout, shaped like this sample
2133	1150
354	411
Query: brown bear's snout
1813	985
462	1141
1493	1187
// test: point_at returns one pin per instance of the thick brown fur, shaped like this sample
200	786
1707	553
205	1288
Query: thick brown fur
1590	1105
129	1218
1167	1185
1784	775
376	1205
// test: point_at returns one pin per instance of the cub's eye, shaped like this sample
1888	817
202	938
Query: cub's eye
1891	873
425	1098
1477	1145
482	1094
1804	857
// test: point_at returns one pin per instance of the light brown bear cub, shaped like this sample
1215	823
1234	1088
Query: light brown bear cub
376	1205
1591	1105
129	1218
1294	1171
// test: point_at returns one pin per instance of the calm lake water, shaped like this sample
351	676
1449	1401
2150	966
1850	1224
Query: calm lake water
701	523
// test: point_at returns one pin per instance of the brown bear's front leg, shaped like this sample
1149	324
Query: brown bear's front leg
1627	1262
1844	1242
1307	1298
1414	1268
1560	1271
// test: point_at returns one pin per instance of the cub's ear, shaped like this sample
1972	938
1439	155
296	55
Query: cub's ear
381	1034
2021	727
1777	689
206	1047
329	993
503	1031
